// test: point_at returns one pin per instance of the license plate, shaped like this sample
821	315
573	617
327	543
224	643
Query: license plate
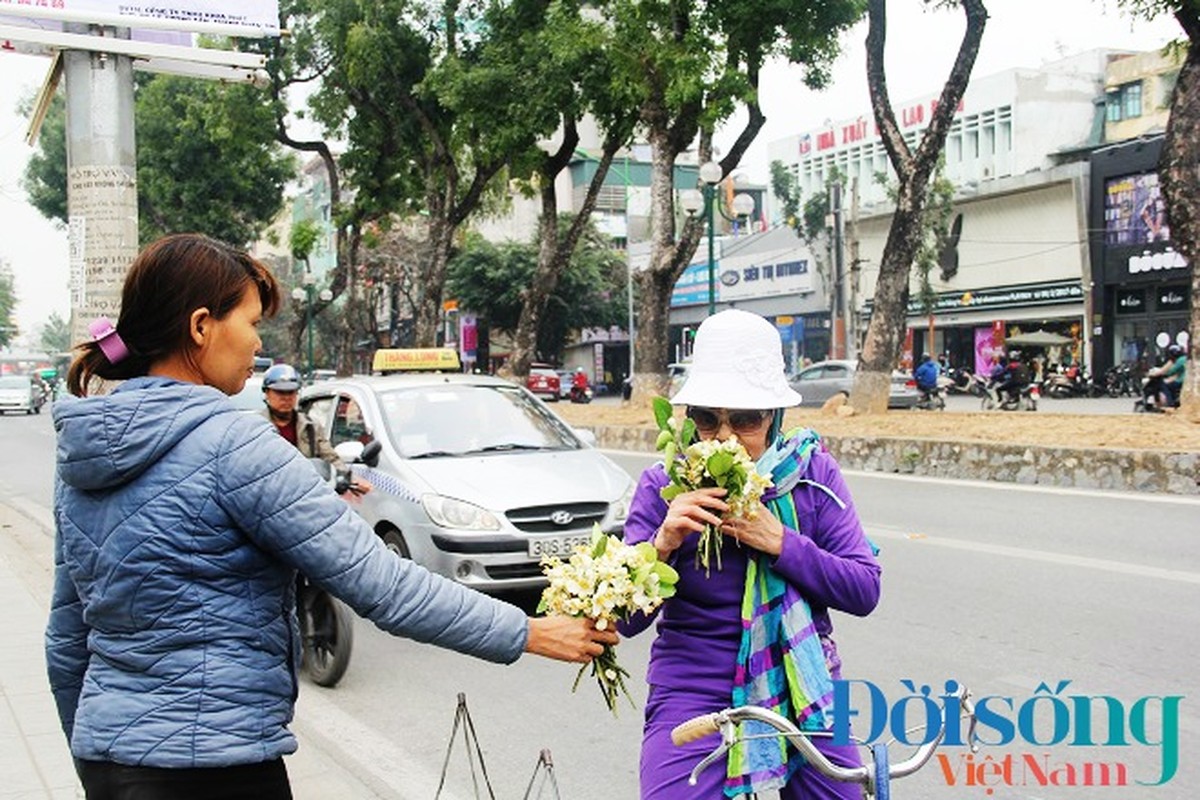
561	546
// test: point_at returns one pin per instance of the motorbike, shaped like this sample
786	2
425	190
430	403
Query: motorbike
581	394
326	624
1120	380
962	381
1074	381
1155	397
1026	399
934	399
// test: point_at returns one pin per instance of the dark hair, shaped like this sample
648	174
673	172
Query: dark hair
170	279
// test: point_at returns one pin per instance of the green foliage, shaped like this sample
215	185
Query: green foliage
303	238
8	306
45	178
489	278
786	187
55	336
206	160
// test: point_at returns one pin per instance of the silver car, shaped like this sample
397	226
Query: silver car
20	393
823	380
477	479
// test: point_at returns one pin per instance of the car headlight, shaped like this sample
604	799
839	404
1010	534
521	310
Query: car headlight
621	507
447	512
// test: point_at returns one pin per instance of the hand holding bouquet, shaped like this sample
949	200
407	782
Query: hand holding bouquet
608	581
710	463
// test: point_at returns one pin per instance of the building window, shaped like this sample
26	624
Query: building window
1132	93
1113	105
1124	102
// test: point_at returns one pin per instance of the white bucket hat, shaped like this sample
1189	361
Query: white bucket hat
737	362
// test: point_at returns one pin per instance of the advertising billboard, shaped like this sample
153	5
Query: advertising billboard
1134	210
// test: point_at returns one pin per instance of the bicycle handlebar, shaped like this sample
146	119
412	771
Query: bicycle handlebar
725	722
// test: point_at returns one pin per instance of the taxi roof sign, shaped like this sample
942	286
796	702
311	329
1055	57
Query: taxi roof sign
418	359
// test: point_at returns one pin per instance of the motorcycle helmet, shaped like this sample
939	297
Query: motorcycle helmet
925	357
281	378
1174	350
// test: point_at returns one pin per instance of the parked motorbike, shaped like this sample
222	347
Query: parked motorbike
1026	399
1120	380
1074	381
326	624
962	381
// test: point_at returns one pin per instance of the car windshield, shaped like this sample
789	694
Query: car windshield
14	382
456	420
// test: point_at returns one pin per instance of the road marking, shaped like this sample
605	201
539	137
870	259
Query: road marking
1099	494
373	759
1118	567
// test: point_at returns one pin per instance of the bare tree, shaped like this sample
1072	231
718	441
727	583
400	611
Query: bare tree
885	334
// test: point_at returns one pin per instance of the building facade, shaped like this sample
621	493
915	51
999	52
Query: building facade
1017	258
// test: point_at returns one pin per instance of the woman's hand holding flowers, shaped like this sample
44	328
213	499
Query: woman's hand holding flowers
763	531
688	513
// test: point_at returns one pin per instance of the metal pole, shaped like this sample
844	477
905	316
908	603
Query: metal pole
308	324
628	265
102	212
835	202
709	191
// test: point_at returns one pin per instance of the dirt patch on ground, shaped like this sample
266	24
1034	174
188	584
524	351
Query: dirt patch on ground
1113	431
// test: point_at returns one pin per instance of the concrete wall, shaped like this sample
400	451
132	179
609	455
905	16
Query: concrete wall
1082	468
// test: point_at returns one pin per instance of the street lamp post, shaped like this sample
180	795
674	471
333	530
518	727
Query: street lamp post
305	294
743	205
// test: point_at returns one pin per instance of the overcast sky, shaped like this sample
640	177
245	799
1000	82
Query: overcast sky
920	49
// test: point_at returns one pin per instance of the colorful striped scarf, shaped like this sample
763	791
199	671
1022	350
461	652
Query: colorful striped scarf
781	663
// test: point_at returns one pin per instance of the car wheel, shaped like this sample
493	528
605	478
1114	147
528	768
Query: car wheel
395	542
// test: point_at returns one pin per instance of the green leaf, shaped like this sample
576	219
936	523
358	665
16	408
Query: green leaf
667	576
599	545
662	412
646	550
670	491
689	431
666	590
719	464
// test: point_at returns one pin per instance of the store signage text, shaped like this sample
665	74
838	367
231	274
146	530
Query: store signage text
1153	262
859	130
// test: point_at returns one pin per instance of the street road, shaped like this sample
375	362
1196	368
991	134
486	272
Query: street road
998	586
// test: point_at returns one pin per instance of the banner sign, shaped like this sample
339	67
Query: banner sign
184	15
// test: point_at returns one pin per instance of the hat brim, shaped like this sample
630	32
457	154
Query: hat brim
283	386
730	391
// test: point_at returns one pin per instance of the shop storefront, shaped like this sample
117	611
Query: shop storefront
1143	297
971	327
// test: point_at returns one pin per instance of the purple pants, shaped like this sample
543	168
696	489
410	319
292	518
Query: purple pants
665	768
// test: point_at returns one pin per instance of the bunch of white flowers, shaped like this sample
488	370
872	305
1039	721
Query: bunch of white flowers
607	581
709	462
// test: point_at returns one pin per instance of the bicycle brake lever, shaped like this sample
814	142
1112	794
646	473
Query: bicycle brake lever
728	737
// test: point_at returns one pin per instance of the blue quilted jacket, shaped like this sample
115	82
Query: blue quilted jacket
172	639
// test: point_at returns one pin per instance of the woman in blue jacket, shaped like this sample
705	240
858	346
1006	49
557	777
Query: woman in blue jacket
172	645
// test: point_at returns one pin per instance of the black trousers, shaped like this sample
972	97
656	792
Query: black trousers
104	780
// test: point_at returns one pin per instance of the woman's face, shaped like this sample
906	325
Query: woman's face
225	358
749	425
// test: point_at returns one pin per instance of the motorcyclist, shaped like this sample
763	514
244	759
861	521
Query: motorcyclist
579	384
926	376
281	387
1166	379
1012	379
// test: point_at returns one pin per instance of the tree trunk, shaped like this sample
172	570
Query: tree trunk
885	333
1179	171
433	279
668	257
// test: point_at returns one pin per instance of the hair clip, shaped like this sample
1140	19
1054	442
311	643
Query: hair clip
104	333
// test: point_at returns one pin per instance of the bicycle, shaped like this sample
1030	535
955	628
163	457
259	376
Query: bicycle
874	777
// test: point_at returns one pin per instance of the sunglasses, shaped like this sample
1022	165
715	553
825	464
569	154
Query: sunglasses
708	420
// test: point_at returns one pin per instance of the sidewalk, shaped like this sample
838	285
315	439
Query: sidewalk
34	759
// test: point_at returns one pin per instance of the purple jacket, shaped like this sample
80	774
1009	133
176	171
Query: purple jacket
700	628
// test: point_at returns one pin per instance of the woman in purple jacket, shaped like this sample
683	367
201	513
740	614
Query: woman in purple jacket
725	638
